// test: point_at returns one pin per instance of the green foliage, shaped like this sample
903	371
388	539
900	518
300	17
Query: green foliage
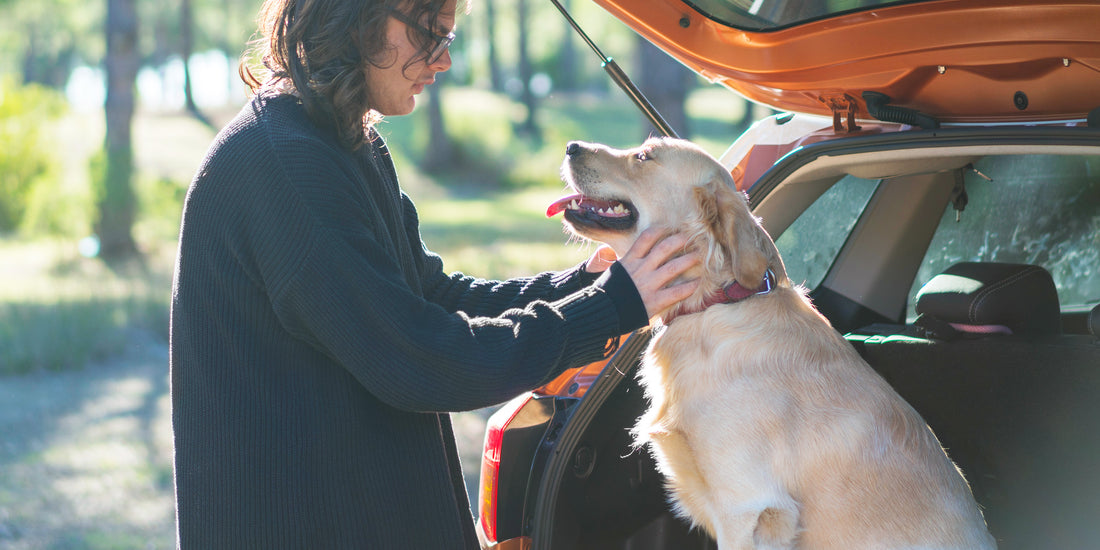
160	207
42	39
26	157
55	210
483	127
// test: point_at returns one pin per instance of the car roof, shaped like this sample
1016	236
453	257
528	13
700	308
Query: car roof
956	61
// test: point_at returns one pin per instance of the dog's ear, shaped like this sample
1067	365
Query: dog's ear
734	231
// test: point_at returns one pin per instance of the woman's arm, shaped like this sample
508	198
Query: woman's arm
482	297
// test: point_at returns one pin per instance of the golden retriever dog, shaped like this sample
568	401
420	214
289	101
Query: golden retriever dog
771	430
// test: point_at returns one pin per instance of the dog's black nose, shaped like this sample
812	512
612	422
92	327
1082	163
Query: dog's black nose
572	148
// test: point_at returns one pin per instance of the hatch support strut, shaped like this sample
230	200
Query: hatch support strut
619	77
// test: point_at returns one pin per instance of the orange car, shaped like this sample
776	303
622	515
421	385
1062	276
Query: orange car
930	153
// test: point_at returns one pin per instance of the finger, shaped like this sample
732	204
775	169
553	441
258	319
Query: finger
667	248
644	243
667	261
669	296
655	254
676	267
673	294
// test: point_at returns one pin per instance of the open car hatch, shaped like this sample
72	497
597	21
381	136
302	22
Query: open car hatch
940	59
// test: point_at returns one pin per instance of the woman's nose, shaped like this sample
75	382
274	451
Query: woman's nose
443	63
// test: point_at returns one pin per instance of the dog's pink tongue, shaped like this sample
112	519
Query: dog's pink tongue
561	204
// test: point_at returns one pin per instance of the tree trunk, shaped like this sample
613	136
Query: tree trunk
187	47
666	83
440	154
116	201
496	79
30	56
526	71
567	57
46	59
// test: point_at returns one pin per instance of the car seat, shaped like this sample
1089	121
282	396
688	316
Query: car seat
973	298
1093	322
1015	402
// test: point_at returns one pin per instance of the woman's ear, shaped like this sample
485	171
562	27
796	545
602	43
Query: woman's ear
733	231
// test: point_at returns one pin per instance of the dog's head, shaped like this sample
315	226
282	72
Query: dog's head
667	183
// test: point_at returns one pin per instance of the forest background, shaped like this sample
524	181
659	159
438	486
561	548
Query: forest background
102	125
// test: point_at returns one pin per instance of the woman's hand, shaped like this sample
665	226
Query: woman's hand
601	259
654	261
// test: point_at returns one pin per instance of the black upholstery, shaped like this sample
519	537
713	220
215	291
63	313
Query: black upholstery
1019	413
1093	322
969	295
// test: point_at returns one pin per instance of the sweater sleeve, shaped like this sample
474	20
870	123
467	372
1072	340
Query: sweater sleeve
350	301
472	344
488	298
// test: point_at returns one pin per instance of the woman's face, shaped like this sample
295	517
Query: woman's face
394	85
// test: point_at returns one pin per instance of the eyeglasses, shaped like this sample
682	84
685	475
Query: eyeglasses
442	42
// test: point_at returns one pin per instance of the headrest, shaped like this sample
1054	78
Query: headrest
985	298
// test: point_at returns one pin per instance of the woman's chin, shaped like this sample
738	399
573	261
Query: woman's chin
399	109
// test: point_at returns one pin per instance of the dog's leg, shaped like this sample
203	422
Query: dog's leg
749	510
771	526
776	527
747	498
682	477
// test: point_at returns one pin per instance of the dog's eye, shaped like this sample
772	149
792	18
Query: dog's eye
644	155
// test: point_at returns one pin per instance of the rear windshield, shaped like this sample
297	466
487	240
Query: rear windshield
770	15
1038	209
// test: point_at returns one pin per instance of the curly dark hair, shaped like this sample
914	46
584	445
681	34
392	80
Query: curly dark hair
321	49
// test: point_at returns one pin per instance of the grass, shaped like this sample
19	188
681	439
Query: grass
60	310
499	237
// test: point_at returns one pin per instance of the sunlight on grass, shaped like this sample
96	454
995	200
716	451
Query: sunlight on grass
513	259
102	475
507	235
60	310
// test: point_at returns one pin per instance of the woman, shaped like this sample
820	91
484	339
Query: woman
316	345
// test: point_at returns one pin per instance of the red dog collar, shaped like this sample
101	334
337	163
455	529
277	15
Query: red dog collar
729	294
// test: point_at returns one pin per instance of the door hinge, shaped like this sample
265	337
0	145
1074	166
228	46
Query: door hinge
844	108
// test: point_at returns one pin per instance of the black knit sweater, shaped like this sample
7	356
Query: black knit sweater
316	347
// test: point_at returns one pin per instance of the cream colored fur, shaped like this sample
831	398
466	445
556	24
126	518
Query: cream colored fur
771	430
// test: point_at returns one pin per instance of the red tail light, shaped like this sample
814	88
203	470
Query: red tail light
490	464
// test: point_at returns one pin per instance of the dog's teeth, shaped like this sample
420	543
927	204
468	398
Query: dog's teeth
619	209
573	205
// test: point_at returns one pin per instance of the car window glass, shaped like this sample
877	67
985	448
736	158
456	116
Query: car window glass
1038	209
810	244
768	15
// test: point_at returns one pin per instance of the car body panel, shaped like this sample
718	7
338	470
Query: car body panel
1037	60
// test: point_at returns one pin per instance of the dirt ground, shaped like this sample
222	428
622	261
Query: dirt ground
86	455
